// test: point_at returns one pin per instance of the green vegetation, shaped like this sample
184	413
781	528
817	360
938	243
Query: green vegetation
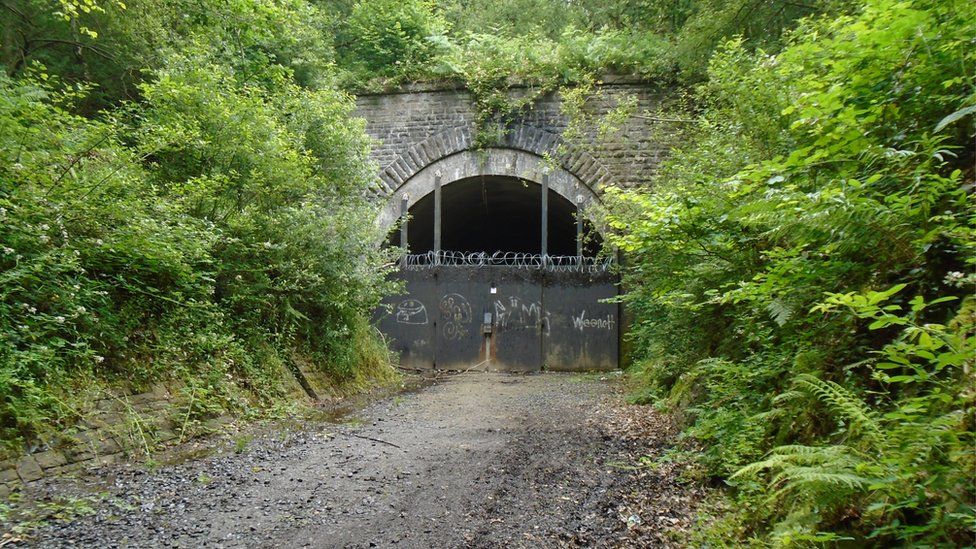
386	42
801	276
802	280
180	194
24	520
544	46
190	213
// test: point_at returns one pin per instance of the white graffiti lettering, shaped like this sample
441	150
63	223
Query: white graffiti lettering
516	314
581	322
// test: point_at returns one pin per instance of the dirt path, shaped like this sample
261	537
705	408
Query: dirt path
478	460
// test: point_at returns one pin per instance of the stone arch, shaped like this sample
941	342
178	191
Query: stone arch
487	162
525	138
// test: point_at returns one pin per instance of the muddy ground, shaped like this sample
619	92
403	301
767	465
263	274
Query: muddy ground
474	460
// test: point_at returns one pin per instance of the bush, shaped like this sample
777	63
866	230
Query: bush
203	235
797	274
390	38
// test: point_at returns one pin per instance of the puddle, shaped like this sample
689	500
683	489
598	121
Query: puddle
181	455
336	414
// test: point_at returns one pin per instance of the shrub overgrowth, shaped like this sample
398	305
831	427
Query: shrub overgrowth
544	47
384	42
802	282
211	229
180	195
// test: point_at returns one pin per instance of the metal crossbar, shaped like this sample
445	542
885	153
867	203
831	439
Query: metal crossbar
564	263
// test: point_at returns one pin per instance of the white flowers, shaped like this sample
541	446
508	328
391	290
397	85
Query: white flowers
82	310
267	245
99	359
7	251
59	319
958	279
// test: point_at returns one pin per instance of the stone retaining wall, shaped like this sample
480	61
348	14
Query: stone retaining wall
107	434
117	427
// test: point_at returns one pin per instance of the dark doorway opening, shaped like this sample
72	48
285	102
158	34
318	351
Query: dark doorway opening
497	214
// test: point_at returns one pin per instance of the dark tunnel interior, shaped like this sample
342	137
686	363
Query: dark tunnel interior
490	214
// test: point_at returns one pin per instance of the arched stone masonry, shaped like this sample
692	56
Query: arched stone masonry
418	125
489	162
537	142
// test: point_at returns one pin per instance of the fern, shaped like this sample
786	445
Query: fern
860	419
795	457
788	396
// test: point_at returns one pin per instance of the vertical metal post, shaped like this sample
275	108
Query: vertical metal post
545	216
579	228
404	239
545	261
437	218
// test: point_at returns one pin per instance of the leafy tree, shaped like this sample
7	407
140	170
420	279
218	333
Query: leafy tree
385	38
511	18
126	40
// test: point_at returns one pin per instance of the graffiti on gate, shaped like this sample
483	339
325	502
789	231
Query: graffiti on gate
455	316
411	311
583	322
515	314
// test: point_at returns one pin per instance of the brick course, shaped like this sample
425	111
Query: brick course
416	125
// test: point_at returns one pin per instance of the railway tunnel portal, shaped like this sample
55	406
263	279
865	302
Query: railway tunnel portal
502	270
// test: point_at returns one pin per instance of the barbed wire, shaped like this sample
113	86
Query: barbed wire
563	263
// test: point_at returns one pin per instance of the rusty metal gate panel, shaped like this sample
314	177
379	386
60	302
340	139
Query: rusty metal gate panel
517	318
584	329
460	305
407	321
457	317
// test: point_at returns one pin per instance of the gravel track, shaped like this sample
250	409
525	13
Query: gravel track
475	460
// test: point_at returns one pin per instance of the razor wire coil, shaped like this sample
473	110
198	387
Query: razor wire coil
518	260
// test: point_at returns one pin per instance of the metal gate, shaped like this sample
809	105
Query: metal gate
523	315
